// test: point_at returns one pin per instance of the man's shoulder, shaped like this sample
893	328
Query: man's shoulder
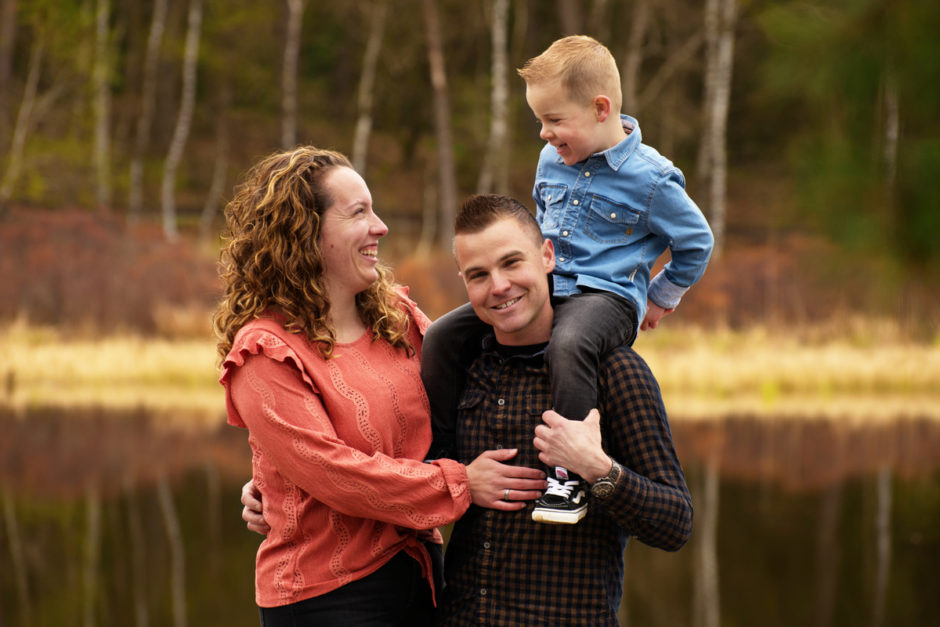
623	361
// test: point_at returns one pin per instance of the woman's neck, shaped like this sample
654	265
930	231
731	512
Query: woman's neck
346	322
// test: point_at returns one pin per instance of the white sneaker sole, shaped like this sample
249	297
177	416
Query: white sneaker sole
557	517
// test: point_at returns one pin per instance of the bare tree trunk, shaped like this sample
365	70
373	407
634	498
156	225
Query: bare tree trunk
599	20
147	103
23	121
494	159
217	188
138	560
447	196
827	555
295	20
660	80
892	130
18	565
101	78
92	554
367	85
7	38
183	121
720	19
883	544
706	610
177	554
631	65
569	11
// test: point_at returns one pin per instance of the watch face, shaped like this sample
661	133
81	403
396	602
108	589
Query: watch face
602	488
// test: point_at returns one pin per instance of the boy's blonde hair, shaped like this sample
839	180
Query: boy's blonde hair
584	67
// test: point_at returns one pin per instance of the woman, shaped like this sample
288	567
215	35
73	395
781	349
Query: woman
319	355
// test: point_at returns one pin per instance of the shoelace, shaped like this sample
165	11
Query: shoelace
559	488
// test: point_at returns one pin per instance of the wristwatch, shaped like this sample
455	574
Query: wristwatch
605	485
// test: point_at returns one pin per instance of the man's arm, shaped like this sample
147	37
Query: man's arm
651	499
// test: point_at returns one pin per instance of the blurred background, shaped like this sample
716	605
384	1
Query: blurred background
802	375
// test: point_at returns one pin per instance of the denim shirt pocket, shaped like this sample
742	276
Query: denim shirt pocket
553	201
609	222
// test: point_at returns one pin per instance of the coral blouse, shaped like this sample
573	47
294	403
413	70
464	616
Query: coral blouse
337	449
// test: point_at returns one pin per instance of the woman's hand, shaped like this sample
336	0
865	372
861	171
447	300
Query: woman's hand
496	485
253	513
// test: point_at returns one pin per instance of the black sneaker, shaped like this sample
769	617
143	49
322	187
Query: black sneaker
564	502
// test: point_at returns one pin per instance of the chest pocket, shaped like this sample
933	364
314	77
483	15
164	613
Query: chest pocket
608	222
553	201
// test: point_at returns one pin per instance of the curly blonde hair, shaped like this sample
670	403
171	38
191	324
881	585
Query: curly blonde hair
271	258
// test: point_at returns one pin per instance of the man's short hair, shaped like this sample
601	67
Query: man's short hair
584	67
480	211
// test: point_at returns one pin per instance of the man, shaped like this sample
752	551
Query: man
501	566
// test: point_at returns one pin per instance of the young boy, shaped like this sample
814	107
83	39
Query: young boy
611	206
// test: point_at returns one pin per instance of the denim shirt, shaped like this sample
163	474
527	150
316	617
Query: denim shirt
612	215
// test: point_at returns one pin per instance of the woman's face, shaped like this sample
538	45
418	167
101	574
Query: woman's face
349	235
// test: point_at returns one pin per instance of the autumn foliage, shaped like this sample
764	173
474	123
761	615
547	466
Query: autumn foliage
74	268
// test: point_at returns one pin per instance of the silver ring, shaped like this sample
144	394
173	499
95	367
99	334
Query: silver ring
506	494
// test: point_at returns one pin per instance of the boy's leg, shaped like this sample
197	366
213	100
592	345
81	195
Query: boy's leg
586	327
450	345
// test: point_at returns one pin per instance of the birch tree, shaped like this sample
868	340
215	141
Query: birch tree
720	18
494	159
101	79
447	196
295	18
23	121
148	94
183	120
634	58
7	38
366	92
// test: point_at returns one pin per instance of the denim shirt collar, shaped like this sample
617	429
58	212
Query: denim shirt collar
617	155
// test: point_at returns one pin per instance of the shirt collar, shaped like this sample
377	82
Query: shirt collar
616	155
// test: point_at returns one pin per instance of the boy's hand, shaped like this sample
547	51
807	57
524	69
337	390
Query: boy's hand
654	313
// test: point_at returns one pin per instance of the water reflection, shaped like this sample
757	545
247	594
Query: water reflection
133	520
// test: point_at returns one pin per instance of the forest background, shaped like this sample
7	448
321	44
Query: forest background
807	130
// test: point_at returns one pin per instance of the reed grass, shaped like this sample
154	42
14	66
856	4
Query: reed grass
863	370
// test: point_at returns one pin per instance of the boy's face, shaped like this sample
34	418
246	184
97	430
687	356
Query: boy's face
505	272
574	129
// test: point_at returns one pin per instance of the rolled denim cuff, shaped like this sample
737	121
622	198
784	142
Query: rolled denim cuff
664	292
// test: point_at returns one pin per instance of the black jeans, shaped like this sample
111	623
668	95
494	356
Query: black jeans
393	596
586	326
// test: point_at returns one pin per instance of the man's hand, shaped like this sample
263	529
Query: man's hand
654	313
252	513
574	444
496	485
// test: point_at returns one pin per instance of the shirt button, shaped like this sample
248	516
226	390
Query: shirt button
548	198
587	174
613	215
486	545
565	233
561	259
576	203
482	592
501	402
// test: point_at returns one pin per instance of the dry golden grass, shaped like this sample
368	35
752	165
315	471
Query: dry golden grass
864	370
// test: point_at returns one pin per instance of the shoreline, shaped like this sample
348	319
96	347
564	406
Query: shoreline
704	374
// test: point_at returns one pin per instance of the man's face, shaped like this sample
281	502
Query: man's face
505	272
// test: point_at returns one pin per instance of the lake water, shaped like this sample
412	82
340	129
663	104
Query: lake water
134	520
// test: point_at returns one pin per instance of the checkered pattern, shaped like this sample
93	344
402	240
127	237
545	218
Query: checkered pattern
503	568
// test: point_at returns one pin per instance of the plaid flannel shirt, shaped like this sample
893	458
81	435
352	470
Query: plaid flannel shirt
502	568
